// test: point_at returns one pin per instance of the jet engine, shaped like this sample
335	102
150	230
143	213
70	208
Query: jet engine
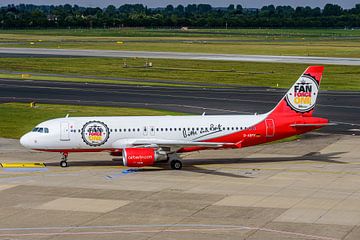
140	157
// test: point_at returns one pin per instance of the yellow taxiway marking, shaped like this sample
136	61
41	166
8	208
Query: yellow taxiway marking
22	165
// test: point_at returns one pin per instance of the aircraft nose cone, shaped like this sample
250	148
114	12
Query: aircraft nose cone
25	141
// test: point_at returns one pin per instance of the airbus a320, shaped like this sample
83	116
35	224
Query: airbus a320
147	140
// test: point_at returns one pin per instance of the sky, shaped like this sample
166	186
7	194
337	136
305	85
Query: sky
162	3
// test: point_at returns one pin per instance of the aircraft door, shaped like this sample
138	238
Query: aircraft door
270	127
64	131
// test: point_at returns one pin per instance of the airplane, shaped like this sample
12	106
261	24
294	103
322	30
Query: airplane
147	140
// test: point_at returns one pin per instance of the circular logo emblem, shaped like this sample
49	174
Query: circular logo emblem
302	96
95	133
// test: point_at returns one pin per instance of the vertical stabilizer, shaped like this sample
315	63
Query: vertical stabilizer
301	97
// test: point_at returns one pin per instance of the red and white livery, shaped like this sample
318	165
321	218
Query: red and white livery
143	141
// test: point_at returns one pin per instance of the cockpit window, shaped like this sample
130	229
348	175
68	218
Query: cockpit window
40	130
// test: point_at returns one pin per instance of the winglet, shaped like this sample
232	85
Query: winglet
238	144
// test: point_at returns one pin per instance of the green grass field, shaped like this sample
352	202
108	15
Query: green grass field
314	42
185	71
167	32
301	42
19	118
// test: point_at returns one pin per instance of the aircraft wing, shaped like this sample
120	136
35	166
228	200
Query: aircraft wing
125	143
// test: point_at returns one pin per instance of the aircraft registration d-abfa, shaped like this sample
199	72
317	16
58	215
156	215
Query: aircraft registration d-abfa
144	141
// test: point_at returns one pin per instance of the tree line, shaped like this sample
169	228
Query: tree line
192	15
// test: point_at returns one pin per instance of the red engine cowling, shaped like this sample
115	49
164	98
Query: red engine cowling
139	157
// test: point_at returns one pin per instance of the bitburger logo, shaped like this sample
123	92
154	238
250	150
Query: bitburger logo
95	133
302	96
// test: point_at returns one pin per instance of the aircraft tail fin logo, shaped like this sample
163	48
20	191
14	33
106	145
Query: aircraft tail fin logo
301	97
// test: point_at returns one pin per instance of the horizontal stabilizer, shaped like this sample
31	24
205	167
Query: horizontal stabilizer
312	124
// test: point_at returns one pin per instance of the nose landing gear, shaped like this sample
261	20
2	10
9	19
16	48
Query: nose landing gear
63	162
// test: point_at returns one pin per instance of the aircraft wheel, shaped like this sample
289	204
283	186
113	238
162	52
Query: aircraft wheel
176	164
63	164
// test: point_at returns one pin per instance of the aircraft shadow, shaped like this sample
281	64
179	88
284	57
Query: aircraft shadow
191	165
312	156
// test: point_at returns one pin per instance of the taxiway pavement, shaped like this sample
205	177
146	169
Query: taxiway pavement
33	52
305	189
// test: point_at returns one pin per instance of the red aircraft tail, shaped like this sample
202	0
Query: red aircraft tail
300	100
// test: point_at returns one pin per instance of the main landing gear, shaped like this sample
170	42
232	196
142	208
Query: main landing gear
175	162
63	162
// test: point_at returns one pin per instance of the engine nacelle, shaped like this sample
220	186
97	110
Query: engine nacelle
140	157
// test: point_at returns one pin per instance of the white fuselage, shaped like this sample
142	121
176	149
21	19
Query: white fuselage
71	133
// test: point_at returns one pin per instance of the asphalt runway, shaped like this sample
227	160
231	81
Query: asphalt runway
342	108
43	52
